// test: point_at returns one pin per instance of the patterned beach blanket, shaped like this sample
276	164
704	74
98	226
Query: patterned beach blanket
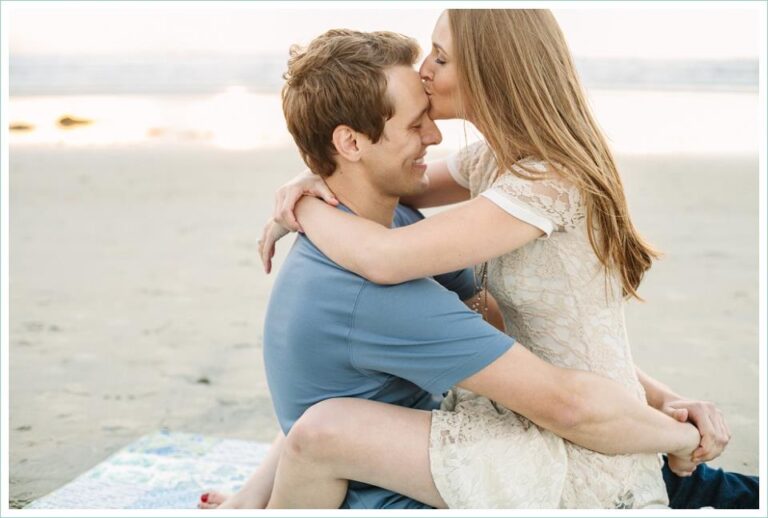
163	470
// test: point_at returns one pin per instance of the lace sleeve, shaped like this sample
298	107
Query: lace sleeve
551	204
461	163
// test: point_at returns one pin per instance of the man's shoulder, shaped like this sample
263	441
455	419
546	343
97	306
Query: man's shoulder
304	253
423	297
307	269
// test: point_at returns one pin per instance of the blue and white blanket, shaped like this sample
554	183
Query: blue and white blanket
163	470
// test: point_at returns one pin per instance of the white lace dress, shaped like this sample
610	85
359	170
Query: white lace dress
555	300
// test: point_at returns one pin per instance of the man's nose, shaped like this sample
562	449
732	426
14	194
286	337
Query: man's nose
431	134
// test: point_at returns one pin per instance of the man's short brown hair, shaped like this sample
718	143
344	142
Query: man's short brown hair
339	79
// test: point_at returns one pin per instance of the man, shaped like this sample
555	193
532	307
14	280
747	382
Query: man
358	113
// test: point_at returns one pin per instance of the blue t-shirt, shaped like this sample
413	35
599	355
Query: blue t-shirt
331	333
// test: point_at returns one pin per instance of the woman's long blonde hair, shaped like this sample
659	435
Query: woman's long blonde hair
519	84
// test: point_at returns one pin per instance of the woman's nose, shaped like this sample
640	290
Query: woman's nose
424	71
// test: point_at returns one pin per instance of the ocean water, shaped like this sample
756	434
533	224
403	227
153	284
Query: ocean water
232	102
195	74
231	119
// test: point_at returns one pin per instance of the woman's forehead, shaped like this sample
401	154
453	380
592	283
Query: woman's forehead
441	35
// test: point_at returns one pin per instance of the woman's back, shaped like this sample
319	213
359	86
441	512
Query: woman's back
555	298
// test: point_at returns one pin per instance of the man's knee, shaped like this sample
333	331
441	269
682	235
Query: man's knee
318	434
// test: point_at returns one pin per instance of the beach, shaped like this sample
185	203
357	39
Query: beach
137	297
141	171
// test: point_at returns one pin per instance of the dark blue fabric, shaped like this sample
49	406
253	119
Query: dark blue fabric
710	487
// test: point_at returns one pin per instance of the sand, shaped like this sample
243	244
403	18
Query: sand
137	297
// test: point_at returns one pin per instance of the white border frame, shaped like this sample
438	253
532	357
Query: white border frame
5	6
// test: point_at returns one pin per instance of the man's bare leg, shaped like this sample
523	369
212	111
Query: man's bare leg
354	439
256	491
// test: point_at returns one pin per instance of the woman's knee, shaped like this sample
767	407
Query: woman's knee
319	434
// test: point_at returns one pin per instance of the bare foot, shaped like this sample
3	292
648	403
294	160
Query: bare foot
243	499
212	500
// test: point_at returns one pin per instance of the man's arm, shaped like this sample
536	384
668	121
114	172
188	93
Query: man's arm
421	334
582	407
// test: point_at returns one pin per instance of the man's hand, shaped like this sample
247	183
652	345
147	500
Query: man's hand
272	232
681	463
286	197
707	418
714	431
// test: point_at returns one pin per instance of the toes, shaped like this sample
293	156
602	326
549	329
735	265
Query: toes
216	498
211	500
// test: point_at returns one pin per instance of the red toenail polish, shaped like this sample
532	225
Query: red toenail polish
204	498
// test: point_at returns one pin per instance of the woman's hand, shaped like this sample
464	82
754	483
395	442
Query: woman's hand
305	184
284	220
272	232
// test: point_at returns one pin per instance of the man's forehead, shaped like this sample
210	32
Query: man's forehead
406	92
401	78
410	107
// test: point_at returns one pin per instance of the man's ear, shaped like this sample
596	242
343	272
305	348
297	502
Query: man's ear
345	140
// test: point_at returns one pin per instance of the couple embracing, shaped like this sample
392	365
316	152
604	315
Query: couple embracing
391	386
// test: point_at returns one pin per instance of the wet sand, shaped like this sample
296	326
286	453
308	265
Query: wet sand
137	297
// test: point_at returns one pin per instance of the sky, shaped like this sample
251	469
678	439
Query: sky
650	31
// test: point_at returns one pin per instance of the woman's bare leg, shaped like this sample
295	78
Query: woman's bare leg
354	439
255	492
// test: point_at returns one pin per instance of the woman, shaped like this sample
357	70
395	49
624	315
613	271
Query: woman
560	286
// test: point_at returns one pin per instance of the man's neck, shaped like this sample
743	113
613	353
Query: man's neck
353	190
